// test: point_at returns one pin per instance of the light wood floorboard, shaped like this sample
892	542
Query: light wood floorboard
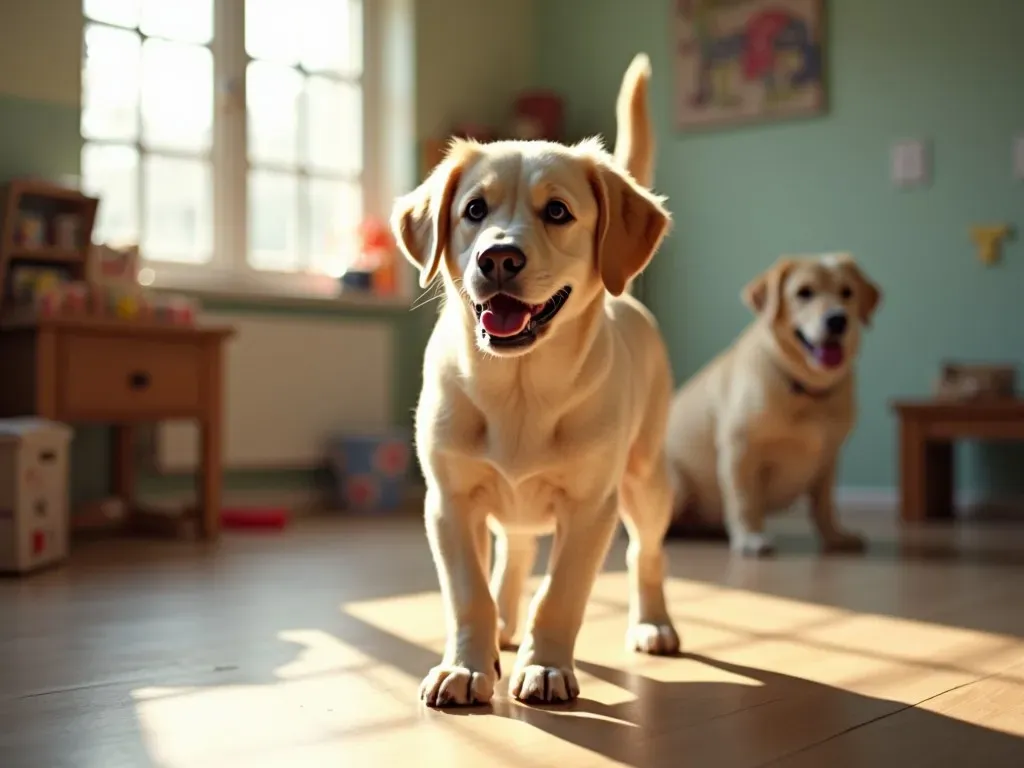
306	649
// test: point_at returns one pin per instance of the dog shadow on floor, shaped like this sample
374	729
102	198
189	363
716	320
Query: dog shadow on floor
766	718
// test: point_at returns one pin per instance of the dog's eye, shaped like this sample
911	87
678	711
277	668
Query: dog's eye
805	293
557	212
476	210
846	293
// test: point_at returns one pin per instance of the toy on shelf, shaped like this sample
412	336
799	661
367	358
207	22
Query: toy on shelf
32	284
31	232
67	231
114	265
375	269
538	115
968	381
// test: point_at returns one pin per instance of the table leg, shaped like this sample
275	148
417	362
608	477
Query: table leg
939	480
122	468
211	457
210	478
926	476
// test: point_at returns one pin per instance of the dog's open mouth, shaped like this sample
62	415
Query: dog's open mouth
507	322
828	354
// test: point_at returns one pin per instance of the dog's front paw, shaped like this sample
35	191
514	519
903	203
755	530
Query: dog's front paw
753	545
842	542
453	686
658	639
537	683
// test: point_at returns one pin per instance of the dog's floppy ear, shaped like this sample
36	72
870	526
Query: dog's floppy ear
763	294
420	220
631	223
867	293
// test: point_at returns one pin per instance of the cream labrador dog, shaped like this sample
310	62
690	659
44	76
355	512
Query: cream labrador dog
762	425
545	397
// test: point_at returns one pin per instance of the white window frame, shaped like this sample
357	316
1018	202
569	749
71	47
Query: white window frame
386	82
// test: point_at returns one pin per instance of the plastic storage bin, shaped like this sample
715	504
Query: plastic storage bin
370	471
33	494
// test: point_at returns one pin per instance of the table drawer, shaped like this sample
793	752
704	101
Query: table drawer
124	376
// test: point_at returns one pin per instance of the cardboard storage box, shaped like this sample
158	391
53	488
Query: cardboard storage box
33	493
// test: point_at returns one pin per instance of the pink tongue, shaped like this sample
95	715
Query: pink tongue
830	354
505	316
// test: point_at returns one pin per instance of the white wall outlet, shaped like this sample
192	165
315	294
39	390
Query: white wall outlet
1018	157
910	163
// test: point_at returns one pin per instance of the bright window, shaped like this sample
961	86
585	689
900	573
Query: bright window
226	137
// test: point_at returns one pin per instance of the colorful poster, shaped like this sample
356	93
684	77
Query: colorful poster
740	61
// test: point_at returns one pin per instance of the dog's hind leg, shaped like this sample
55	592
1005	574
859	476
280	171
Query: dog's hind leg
833	537
514	555
646	504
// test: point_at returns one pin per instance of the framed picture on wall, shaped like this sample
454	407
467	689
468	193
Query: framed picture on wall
746	61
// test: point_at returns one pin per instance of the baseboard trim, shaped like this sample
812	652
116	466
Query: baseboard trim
849	499
970	504
867	499
300	501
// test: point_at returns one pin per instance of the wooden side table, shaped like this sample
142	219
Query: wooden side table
92	370
928	431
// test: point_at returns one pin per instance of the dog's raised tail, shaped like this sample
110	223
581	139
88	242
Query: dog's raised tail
634	136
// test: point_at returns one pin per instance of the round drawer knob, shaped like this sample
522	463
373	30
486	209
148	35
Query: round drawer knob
138	380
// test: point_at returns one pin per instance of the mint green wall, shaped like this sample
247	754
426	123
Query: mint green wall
942	69
37	137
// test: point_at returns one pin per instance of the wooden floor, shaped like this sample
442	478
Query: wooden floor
306	649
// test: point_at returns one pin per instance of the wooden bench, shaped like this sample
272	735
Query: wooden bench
928	430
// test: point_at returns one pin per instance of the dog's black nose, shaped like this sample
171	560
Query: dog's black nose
501	262
836	323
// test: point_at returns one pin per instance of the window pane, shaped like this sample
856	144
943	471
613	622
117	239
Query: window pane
110	84
334	125
335	210
177	96
272	96
111	173
273	29
273	221
124	13
333	36
187	21
179	206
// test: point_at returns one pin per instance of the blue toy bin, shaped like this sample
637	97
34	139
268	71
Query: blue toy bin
370	470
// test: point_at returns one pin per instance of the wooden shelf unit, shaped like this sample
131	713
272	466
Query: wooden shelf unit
50	200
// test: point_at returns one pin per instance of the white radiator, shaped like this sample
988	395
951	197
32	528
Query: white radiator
289	384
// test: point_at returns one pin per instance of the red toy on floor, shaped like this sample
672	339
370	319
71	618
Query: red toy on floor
272	518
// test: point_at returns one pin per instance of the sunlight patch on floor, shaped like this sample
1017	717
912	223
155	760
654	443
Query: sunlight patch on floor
338	701
240	724
320	653
828	645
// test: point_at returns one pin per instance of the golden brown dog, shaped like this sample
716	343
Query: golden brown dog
545	397
762	425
